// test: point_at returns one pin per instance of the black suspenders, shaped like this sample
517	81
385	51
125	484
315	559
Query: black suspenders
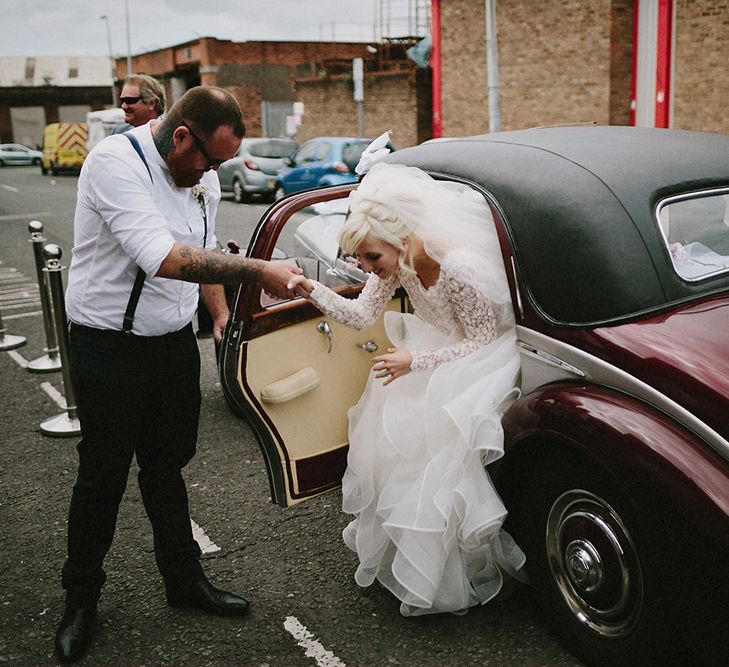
141	275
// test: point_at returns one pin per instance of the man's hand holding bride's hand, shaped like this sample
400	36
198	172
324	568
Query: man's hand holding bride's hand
392	365
275	279
301	285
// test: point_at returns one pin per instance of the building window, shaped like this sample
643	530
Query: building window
29	69
73	68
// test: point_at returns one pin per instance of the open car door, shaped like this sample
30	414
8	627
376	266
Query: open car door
290	371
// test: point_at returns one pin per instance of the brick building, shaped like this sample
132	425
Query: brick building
648	62
397	97
35	91
259	74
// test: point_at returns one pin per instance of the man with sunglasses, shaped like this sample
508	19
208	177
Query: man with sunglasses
144	239
142	99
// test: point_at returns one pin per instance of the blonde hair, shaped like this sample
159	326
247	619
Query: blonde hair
369	216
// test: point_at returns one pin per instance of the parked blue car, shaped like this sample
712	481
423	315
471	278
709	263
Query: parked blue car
319	162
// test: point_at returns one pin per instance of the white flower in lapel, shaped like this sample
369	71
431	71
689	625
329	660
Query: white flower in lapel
200	192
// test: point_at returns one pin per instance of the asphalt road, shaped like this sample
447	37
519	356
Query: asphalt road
306	608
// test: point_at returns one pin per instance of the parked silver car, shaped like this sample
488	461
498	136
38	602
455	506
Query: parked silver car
253	171
18	154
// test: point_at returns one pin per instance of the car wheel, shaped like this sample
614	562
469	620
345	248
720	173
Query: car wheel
54	169
2	163
44	171
36	161
279	193
591	570
239	194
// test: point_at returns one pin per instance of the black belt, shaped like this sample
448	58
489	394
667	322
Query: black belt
123	335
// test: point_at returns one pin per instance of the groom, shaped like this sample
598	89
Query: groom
144	231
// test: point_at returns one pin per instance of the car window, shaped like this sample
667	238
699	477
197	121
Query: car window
696	232
322	151
351	153
310	239
305	154
271	149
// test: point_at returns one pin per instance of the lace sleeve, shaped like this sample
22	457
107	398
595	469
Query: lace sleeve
360	312
472	309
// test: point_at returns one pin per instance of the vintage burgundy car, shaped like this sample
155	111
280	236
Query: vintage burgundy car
616	473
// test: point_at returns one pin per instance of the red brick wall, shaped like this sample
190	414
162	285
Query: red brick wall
556	64
391	103
621	61
701	83
249	99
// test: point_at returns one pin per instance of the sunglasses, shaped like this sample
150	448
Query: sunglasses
212	162
129	100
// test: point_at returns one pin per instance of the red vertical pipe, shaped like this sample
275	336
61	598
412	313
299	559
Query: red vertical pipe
435	65
663	62
634	81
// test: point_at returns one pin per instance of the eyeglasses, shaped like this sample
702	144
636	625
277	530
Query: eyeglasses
212	162
129	100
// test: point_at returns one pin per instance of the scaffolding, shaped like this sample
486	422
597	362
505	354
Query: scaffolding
393	20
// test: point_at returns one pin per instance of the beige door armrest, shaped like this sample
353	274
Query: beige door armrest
290	387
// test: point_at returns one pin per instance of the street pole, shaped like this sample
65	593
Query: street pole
492	66
129	40
112	62
358	80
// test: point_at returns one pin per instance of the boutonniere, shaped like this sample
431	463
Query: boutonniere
200	192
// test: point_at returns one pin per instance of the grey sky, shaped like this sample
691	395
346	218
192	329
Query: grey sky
74	27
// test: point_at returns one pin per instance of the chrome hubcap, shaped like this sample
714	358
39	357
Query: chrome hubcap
594	563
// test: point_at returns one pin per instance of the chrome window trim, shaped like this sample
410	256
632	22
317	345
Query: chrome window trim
697	194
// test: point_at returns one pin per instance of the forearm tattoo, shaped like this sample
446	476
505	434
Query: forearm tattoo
205	266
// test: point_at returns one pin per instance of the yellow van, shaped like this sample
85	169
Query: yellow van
64	147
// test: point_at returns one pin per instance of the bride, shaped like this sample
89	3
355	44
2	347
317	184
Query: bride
427	519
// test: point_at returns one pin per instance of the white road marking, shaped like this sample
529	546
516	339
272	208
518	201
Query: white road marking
17	357
10	188
56	395
19	315
306	640
207	546
24	216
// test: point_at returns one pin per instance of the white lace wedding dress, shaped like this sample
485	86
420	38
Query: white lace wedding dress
427	519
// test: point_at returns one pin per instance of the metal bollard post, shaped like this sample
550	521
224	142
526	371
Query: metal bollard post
67	423
50	361
8	342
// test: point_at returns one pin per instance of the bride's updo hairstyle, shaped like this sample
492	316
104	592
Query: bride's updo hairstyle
369	216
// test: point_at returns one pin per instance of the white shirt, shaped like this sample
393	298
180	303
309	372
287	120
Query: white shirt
125	220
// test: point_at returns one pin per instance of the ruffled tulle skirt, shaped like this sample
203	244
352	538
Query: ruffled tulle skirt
428	520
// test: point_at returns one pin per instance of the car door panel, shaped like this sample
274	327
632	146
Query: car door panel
279	372
307	433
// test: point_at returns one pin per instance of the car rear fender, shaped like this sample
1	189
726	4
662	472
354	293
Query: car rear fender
677	484
640	448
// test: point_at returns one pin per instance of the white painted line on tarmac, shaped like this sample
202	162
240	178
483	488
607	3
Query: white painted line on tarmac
15	306
17	357
207	546
56	395
23	216
313	649
9	188
35	313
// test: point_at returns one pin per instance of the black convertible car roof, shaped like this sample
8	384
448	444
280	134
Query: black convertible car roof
579	206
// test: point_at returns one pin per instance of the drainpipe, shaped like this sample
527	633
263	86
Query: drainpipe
435	64
492	66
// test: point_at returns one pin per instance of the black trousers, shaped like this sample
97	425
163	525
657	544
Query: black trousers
135	396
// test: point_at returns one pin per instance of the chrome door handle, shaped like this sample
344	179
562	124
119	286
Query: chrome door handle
370	346
324	328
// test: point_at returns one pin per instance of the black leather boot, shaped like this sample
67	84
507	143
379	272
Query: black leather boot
75	632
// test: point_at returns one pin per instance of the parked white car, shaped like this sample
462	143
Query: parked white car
14	154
